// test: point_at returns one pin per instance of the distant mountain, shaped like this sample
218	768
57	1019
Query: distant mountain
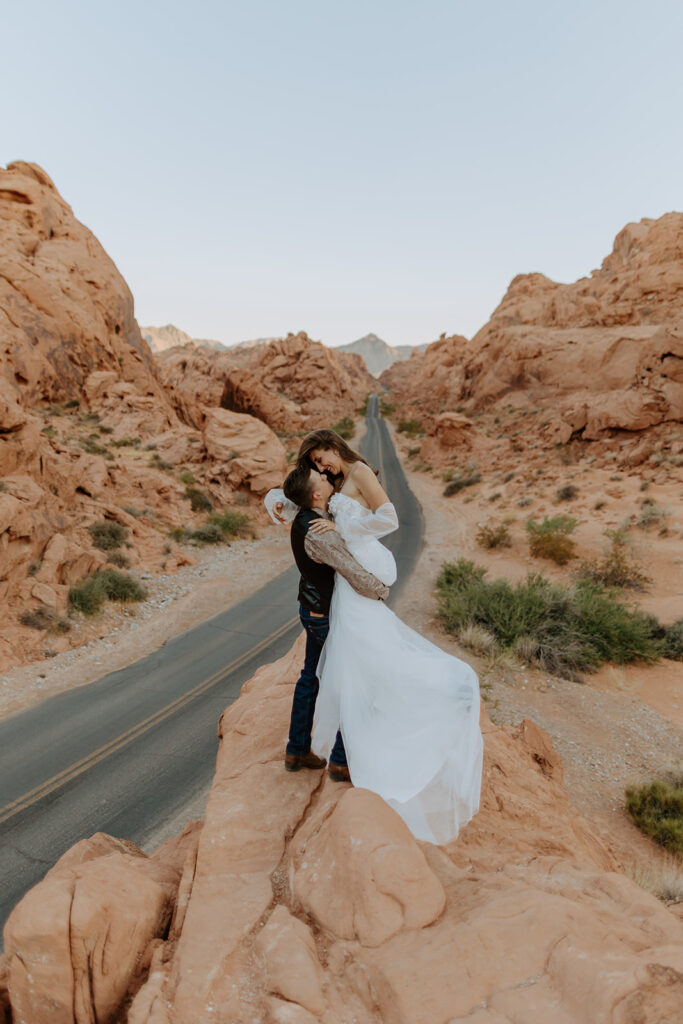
378	356
161	338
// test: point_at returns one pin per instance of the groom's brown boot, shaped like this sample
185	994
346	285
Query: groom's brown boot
338	772
293	762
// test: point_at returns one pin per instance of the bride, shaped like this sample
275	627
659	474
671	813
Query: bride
408	712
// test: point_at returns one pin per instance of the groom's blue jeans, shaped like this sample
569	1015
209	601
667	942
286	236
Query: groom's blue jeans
306	690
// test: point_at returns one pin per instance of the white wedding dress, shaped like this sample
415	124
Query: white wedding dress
408	712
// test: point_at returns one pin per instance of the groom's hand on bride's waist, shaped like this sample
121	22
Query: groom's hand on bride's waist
328	548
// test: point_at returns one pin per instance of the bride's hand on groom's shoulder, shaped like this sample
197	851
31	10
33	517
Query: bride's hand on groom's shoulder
322	526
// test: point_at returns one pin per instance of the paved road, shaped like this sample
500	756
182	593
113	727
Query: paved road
128	752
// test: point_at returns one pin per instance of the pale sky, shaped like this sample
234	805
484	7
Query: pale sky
268	166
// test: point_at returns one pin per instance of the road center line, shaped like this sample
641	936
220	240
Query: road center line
78	767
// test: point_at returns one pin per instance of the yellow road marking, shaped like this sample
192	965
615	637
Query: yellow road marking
90	760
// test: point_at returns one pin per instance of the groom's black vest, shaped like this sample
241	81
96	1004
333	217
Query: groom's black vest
317	580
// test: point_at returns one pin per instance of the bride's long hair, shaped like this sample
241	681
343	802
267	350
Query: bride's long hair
329	439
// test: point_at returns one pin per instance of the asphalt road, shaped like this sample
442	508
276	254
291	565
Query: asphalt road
127	753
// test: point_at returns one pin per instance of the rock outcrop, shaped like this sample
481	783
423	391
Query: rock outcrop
325	384
88	429
307	900
601	355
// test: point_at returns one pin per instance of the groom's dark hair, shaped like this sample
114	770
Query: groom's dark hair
298	486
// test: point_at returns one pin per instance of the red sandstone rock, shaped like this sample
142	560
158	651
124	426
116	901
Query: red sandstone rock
244	450
76	943
87	426
310	901
601	355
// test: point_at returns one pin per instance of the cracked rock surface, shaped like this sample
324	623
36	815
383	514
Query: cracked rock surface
302	900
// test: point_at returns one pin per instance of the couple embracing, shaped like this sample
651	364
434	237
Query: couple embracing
390	710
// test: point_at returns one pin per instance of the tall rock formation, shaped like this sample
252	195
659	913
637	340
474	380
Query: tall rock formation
603	354
291	383
88	430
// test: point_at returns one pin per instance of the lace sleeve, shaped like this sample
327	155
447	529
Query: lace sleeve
357	522
289	509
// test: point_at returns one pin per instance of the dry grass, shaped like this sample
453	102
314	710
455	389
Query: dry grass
662	878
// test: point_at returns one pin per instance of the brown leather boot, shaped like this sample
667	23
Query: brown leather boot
339	772
293	762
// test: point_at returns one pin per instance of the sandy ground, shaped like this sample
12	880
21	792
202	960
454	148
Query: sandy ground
621	727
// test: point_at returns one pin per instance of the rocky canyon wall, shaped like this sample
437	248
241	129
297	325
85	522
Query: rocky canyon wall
89	430
600	357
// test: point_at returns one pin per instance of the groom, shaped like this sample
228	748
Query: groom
318	556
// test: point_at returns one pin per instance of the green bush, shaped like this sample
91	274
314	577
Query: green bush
410	427
657	810
160	463
566	493
386	407
550	539
120	560
364	407
232	524
494	536
618	568
187	478
567	630
91	593
345	428
107	535
45	618
460	482
199	501
673	641
207	533
126	442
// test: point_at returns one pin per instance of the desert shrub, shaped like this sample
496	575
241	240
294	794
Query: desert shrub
187	478
494	536
566	493
525	502
550	539
508	477
132	511
566	630
91	593
3	486
657	810
178	534
651	513
460	482
410	427
345	428
232	524
199	501
386	407
207	533
49	432
673	641
91	446
160	463
478	639
120	560
107	535
618	568
45	618
364	407
125	442
73	403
